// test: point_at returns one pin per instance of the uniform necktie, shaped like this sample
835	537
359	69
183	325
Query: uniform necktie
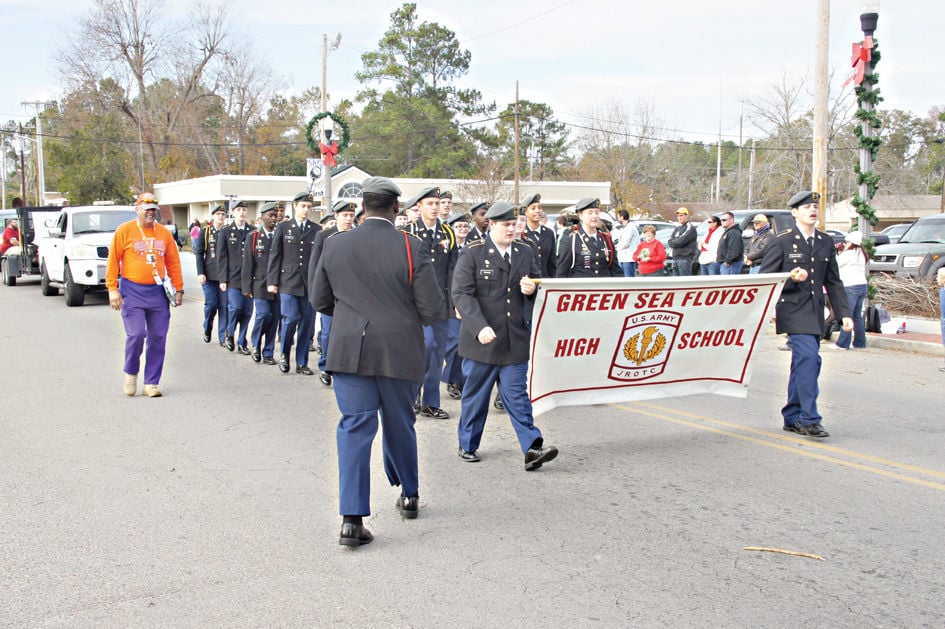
810	243
508	259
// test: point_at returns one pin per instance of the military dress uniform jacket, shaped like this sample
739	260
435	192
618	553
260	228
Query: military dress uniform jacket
580	255
230	253
486	293
317	247
442	252
206	253
381	290
256	264
289	255
543	240
800	308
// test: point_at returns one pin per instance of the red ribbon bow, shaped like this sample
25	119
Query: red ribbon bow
328	153
862	54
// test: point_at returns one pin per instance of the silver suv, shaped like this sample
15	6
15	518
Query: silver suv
920	252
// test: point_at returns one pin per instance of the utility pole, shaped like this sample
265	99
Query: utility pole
741	116
3	170
327	122
751	173
516	143
22	165
40	173
718	158
819	161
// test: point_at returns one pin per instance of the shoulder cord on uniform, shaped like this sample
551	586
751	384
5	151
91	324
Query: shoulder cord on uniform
409	259
574	236
609	249
206	238
451	236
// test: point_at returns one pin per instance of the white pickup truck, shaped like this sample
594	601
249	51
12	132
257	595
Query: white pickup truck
74	254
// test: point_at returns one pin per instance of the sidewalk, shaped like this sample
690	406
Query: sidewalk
922	336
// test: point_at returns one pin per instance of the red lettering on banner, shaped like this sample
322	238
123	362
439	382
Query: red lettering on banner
576	347
579	302
721	297
712	338
654	300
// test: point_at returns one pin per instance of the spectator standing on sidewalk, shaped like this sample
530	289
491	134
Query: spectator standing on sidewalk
684	243
626	243
729	255
852	262
709	247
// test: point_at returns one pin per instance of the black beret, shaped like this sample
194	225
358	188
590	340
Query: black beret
587	203
344	206
457	217
380	185
479	206
270	206
218	208
805	196
303	196
239	203
326	218
535	198
501	211
424	194
446	194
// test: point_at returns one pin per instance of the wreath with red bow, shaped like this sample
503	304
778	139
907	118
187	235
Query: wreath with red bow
328	151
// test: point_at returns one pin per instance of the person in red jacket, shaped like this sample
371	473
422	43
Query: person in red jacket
11	237
650	254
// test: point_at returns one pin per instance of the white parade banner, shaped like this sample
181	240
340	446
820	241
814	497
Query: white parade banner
598	341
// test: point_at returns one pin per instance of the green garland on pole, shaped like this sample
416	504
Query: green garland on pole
871	143
338	120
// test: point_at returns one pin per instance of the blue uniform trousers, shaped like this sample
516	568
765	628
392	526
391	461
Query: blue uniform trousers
802	390
360	399
453	365
297	316
434	340
323	331
214	301
239	310
480	378
266	323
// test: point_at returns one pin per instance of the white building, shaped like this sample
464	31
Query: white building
194	198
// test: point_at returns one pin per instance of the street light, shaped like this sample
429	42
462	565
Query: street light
869	17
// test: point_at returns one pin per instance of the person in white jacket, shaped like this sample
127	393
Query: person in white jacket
852	262
709	246
626	243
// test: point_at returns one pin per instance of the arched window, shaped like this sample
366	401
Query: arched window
351	190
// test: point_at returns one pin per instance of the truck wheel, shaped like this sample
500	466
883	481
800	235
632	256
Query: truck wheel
75	294
8	279
48	291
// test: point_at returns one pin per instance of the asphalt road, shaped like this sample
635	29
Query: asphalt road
216	505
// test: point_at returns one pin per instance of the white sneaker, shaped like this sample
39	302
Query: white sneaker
151	390
131	385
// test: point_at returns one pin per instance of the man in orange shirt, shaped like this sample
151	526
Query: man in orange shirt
144	254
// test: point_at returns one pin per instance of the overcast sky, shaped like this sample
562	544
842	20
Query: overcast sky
694	61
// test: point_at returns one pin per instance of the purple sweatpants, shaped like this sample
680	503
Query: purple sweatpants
146	314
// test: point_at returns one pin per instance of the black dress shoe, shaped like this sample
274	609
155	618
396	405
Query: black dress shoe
454	391
206	336
497	402
269	360
434	412
536	456
242	349
312	348
811	430
416	404
257	357
230	344
284	363
304	370
791	428
469	457
354	535
409	506
325	378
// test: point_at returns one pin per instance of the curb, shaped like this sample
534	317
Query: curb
901	345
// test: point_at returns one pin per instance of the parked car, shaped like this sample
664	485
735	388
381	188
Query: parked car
920	251
895	232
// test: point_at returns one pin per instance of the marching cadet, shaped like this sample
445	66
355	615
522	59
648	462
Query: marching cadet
287	277
453	364
480	225
808	254
446	205
208	274
540	235
343	212
376	281
253	283
494	292
442	251
230	262
585	250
